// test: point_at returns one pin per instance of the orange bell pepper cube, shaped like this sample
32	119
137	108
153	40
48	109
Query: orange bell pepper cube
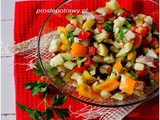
84	90
78	50
108	85
118	66
97	96
127	84
157	50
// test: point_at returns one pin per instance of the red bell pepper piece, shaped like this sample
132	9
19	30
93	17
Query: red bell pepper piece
137	41
88	62
83	35
92	50
154	43
142	31
79	69
124	14
73	80
142	73
133	28
145	42
99	28
108	13
156	64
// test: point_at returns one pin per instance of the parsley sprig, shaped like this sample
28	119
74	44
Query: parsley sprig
42	87
49	111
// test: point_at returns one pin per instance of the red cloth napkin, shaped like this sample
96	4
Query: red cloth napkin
27	25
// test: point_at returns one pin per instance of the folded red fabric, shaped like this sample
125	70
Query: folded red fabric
27	25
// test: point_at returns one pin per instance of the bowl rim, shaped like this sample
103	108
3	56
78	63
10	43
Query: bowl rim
63	92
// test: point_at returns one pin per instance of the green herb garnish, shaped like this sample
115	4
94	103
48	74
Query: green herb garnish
108	27
131	72
48	114
71	36
42	87
121	33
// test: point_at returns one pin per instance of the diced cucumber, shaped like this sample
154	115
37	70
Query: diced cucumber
139	93
148	20
112	4
69	65
105	94
54	45
67	56
118	96
88	24
109	59
127	47
101	36
98	58
70	28
56	60
102	50
139	66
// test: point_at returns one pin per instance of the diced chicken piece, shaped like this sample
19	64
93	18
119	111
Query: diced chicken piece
88	15
140	85
100	18
77	31
148	20
151	53
145	60
130	35
105	69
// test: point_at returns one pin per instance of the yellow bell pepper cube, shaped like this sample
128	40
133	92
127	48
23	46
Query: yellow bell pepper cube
63	47
62	30
67	77
65	41
89	78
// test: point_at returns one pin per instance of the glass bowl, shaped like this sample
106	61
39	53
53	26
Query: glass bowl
48	32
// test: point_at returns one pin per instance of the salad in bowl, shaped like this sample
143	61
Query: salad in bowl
107	54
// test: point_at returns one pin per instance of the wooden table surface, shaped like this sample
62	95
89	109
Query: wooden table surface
7	78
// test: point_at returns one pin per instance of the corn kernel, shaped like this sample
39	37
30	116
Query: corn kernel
131	55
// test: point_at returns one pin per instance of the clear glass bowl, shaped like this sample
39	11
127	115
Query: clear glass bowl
54	20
